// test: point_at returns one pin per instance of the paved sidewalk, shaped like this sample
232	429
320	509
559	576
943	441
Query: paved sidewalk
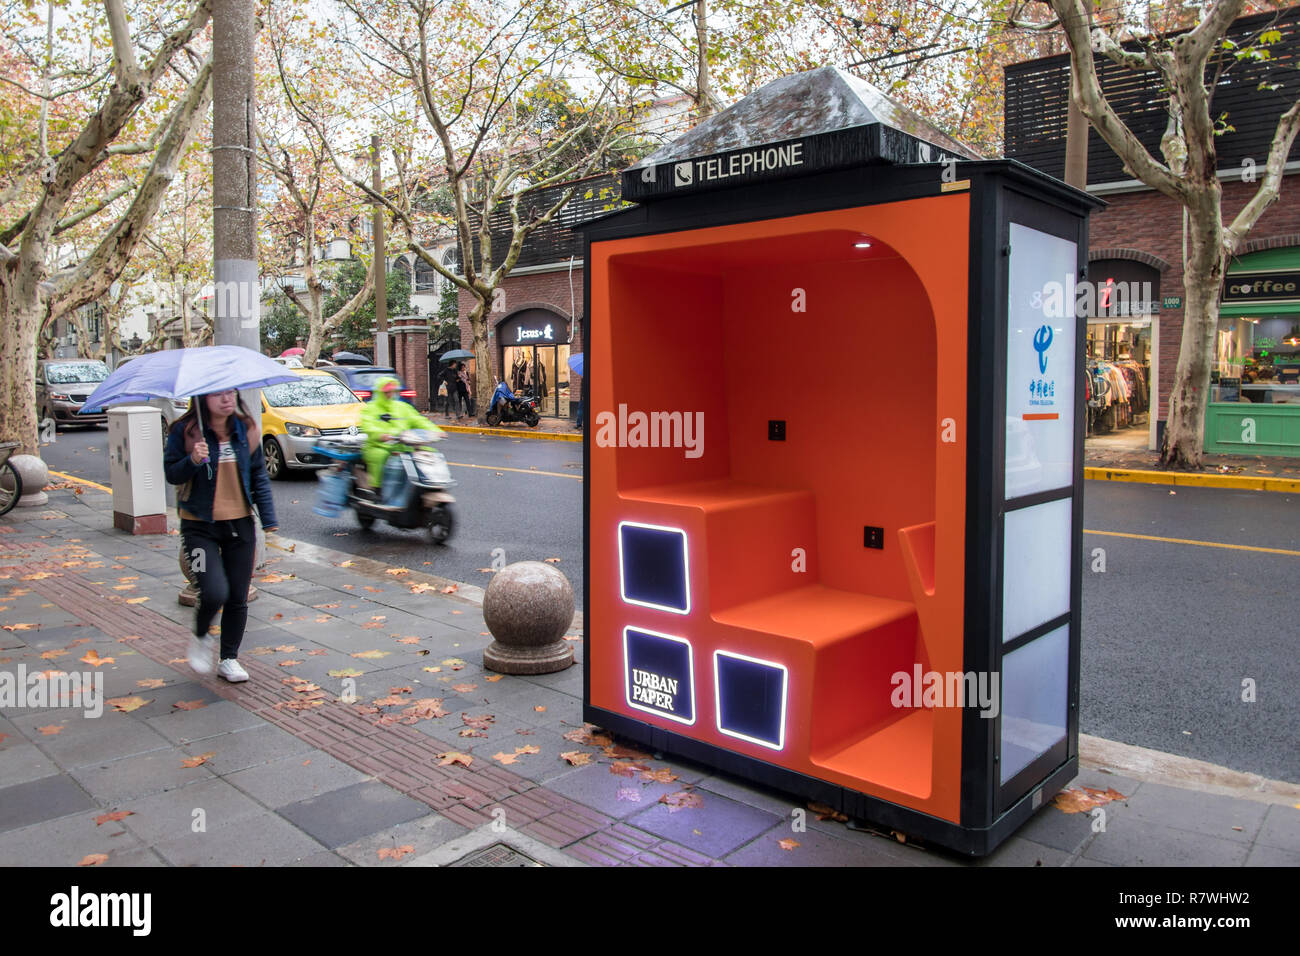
548	429
438	759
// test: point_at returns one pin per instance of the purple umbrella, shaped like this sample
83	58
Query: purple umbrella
182	373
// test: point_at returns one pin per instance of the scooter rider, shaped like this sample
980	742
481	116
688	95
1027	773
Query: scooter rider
383	419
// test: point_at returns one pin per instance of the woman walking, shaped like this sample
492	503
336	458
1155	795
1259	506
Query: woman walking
215	502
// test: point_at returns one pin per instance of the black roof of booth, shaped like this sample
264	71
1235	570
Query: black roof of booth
796	125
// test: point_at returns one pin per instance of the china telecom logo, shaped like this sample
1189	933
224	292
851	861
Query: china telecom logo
1042	342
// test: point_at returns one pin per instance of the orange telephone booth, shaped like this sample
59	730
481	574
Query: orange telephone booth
834	462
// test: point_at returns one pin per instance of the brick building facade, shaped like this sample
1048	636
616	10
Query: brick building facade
555	289
1148	227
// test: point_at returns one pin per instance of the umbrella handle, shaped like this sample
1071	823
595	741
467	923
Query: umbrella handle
198	411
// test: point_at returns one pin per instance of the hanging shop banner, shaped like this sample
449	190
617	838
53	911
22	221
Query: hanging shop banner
1040	362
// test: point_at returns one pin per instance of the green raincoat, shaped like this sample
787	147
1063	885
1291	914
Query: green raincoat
403	416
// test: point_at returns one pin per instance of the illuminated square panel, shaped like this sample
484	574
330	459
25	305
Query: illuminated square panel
653	567
659	674
751	697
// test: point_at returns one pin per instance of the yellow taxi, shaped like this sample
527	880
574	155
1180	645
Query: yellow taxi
296	414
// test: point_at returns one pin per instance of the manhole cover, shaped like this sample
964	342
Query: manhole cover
498	854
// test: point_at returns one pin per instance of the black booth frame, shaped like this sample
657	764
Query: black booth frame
1001	192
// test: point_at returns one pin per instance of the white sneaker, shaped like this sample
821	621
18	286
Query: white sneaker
201	654
231	670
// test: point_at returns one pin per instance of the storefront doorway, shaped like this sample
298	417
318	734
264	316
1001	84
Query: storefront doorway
1122	309
535	358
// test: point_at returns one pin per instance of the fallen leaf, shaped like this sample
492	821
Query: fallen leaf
426	708
786	844
450	589
345	672
396	571
494	678
190	704
395	852
478	723
408	640
625	769
422	588
318	652
50	729
373	625
113	817
432	670
18	627
551	560
373	590
624	753
399	690
199	760
391	701
486	570
124	705
576	758
93	859
125	640
38	576
274	578
663	775
371	655
324	607
455	663
286	649
464	688
587	735
452	756
50	655
540	708
123	587
287	663
85	640
681	800
1082	799
139	600
826	813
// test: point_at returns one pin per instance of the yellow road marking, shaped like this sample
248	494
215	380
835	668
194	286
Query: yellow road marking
80	481
1201	544
522	471
1188	479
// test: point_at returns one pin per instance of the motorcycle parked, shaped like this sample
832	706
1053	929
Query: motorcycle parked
414	492
506	406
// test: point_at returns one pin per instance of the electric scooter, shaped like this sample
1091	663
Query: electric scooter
414	492
506	406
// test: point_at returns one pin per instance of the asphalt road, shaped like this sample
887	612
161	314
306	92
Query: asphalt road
521	495
1170	630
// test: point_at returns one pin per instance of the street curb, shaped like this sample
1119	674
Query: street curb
1155	766
510	433
80	481
1190	479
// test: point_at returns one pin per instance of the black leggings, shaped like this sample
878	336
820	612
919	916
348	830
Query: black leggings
221	554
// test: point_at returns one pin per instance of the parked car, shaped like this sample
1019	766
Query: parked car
62	387
295	415
361	379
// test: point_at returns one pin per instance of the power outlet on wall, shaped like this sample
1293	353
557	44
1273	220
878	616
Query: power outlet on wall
776	430
873	537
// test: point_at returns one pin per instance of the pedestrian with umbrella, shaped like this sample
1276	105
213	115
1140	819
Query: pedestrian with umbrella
222	476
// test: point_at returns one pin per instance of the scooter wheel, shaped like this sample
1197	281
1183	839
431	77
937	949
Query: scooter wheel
494	417
531	418
366	521
440	525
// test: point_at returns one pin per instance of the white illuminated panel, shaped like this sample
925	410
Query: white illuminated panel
655	569
1036	564
731	715
1041	327
662	664
1035	679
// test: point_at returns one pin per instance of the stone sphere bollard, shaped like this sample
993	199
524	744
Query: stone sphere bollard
35	475
528	607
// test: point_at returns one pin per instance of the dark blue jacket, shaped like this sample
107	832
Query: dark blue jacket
196	495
